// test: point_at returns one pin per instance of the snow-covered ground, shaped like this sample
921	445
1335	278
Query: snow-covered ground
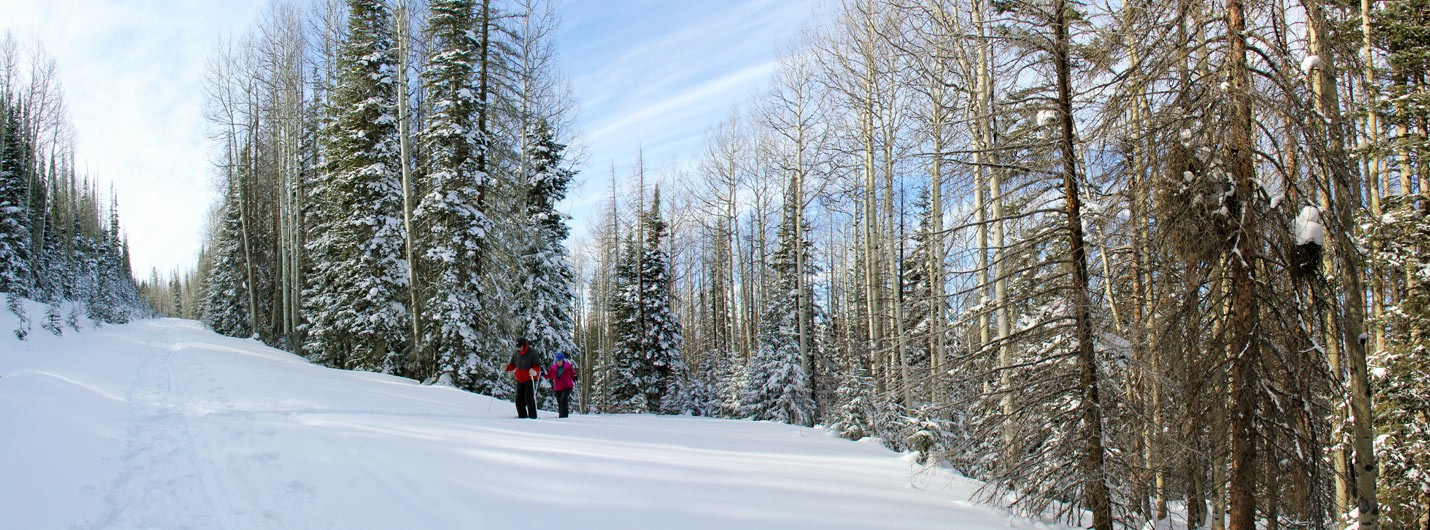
162	424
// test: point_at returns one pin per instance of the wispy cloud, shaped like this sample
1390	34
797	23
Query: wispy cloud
132	74
652	76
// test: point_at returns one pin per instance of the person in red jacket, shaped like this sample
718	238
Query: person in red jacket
526	362
562	375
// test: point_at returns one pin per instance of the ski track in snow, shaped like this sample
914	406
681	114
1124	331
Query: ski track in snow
183	462
214	432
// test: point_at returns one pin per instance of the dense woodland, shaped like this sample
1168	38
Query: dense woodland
60	241
1123	262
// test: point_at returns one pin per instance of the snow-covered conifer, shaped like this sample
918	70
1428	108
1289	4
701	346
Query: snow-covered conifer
548	298
224	310
648	340
777	382
15	244
1397	374
356	294
454	229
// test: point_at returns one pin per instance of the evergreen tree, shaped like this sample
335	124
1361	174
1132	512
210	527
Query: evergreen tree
777	386
54	320
857	409
356	298
649	365
625	382
55	272
15	244
1401	392
455	230
918	296
729	375
550	325
224	309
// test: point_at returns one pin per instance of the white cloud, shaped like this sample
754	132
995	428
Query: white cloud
132	75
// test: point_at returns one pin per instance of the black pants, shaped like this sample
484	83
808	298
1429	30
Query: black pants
563	402
525	399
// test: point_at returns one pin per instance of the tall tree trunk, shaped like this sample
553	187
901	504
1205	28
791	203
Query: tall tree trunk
424	367
870	229
802	303
1245	351
1327	103
935	267
1353	320
1096	496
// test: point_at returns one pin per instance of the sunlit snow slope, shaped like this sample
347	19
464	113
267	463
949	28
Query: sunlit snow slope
162	424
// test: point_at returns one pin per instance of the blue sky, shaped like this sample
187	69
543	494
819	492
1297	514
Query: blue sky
648	74
653	75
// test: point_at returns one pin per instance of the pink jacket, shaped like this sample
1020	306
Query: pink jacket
562	375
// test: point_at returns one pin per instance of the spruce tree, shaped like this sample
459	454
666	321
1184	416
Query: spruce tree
1401	392
777	386
626	380
55	271
649	366
455	230
549	300
224	310
14	216
356	300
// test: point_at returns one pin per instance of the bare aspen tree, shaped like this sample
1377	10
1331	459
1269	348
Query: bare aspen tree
403	24
1326	101
793	115
1353	320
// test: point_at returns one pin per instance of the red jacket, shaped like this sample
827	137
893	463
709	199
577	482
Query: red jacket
562	375
523	362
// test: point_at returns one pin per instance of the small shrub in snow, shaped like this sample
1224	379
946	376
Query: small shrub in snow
13	303
54	321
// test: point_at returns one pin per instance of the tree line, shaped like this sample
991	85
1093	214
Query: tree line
1111	259
60	242
389	173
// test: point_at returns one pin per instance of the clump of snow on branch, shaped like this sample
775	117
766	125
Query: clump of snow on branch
1308	228
1310	64
1046	117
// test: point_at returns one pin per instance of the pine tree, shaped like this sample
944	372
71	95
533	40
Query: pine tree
14	303
548	308
622	382
356	300
919	297
455	231
1401	393
224	310
649	365
777	386
857	409
729	375
1399	240
15	244
56	272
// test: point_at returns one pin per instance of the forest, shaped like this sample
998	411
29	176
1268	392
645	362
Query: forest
61	243
1123	262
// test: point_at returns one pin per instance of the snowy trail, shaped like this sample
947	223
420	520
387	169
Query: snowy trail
161	424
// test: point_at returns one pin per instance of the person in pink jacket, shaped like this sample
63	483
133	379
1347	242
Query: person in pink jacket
562	375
